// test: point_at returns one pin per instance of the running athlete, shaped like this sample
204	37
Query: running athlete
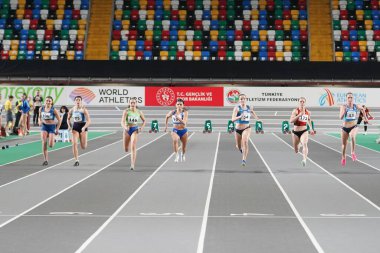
80	127
241	115
47	114
131	117
348	113
360	119
179	118
301	119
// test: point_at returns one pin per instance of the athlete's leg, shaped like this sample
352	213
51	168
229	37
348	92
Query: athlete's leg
133	149
353	134
244	142
344	137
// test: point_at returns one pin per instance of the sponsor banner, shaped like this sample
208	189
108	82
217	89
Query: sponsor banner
288	96
91	95
192	96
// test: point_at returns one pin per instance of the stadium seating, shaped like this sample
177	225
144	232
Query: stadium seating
242	30
43	29
356	25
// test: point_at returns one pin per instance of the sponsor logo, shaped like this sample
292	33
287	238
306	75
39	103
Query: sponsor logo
233	96
86	94
165	96
327	99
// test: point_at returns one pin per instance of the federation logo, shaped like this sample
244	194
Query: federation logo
86	94
233	96
165	96
327	97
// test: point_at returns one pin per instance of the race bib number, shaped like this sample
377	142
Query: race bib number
304	118
175	120
351	115
133	120
77	116
47	116
246	116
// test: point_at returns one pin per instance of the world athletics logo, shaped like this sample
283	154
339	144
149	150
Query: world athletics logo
86	94
328	96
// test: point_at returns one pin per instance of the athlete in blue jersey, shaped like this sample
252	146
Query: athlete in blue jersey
349	115
179	118
241	117
47	116
79	129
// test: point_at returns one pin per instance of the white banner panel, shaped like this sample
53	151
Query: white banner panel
92	95
288	96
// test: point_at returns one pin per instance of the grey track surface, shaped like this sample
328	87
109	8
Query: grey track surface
239	190
58	209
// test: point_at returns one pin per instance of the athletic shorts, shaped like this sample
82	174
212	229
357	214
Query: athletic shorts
240	131
181	132
131	130
77	126
9	116
348	129
299	133
48	128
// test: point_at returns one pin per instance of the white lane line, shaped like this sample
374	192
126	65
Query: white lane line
251	214
162	214
117	108
102	227
332	136
369	165
55	165
208	200
294	209
71	186
333	176
15	161
70	213
275	114
343	215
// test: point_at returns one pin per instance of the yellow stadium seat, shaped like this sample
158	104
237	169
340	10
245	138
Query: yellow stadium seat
197	55
164	55
254	46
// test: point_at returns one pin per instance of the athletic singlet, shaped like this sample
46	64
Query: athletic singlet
78	115
47	115
174	118
350	114
246	115
303	119
132	117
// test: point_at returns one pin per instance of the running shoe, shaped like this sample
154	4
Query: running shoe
303	162
45	163
76	163
183	158
353	156
176	159
243	163
343	161
132	168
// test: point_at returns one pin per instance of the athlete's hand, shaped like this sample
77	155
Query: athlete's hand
83	129
56	131
140	130
312	132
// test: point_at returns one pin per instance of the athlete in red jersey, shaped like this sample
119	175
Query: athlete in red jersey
301	118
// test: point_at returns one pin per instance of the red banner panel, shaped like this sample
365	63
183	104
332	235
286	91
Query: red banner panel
193	96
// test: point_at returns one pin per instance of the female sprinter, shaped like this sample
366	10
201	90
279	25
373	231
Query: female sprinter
241	116
80	127
179	118
47	114
131	117
348	113
301	119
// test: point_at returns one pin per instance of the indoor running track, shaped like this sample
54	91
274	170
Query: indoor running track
209	203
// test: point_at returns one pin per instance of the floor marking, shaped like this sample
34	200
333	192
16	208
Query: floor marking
294	209
162	214
102	227
50	167
70	213
208	200
332	136
117	108
71	186
337	179
275	114
343	215
369	165
252	214
51	151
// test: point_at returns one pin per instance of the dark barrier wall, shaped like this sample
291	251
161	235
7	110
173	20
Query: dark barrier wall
204	70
